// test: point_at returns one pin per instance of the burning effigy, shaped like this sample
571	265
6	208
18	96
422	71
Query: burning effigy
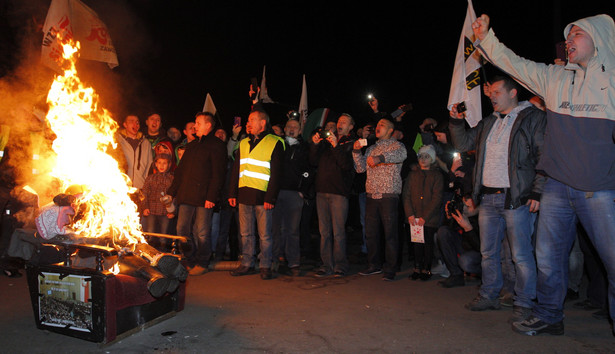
95	205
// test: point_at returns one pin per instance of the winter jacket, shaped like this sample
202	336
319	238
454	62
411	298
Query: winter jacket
384	178
422	195
524	148
200	175
297	174
137	161
335	168
578	148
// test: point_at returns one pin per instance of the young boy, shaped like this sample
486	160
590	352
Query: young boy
156	216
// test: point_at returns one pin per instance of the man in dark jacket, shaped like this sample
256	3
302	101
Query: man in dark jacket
507	189
334	176
294	185
254	187
196	189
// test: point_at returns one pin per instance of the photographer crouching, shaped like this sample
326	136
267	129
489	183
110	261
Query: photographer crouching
459	240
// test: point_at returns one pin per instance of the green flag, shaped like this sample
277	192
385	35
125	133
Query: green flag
418	142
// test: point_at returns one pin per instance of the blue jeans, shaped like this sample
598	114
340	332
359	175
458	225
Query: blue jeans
332	213
455	257
362	201
287	220
496	222
382	212
252	217
201	231
561	207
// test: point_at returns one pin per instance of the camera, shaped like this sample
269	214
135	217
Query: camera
324	133
454	205
428	128
461	107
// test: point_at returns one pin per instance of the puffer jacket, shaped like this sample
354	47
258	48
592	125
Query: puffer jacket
580	133
524	149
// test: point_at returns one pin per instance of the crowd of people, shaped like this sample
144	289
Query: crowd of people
497	203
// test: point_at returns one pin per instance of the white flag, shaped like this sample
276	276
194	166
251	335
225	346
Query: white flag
264	95
303	104
209	105
465	85
72	19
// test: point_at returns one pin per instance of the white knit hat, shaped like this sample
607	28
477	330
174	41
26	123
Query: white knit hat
428	149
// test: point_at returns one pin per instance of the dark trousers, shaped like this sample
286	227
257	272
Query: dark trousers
382	212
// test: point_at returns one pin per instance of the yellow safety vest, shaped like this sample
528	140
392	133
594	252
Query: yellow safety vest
255	165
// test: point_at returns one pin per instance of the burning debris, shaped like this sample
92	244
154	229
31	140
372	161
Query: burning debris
97	208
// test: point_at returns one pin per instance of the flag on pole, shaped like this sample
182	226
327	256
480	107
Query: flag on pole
209	105
264	95
72	19
316	119
465	85
303	104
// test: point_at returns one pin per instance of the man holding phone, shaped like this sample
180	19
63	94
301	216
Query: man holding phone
506	188
333	158
382	162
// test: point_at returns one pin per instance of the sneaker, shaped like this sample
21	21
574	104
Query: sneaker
601	314
452	281
571	295
266	273
370	271
295	271
482	303
321	273
440	269
388	276
534	326
507	300
520	313
242	270
586	305
198	270
339	274
425	276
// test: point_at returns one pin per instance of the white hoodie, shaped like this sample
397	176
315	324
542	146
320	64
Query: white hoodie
579	147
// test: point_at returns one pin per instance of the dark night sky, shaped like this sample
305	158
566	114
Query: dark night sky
172	53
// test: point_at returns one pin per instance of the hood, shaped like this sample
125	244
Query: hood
602	30
122	132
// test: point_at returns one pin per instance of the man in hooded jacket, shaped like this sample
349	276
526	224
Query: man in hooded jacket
577	157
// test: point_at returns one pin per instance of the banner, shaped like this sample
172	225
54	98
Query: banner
209	105
72	19
316	119
465	85
264	95
303	104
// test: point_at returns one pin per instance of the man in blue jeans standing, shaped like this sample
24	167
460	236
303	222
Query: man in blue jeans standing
332	153
507	189
254	187
578	156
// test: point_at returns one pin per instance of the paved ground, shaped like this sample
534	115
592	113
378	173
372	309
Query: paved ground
355	314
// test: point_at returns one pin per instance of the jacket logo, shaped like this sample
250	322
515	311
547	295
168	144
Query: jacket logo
583	107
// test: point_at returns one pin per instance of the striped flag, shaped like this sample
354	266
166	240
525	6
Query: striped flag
72	19
316	119
465	85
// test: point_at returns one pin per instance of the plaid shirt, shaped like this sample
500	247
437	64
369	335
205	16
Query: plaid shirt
155	184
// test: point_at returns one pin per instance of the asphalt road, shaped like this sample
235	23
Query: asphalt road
355	314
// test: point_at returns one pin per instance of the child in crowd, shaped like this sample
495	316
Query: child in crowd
422	198
156	217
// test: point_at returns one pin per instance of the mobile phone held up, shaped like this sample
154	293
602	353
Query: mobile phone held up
400	110
461	107
560	51
237	121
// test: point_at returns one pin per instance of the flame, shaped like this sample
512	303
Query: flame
115	269
84	132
